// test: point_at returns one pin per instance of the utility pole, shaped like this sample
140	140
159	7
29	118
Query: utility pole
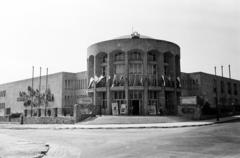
215	84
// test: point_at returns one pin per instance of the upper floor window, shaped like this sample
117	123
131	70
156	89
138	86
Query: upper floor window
152	68
135	56
229	88
222	87
135	69
3	93
104	58
152	57
119	69
119	57
235	88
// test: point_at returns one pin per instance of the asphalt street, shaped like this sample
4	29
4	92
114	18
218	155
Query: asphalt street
218	140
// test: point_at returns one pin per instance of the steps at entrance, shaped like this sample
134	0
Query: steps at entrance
107	119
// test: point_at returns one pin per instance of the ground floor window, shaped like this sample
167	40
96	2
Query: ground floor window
119	97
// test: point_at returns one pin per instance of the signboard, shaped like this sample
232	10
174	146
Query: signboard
189	100
152	110
85	100
115	109
2	112
84	108
124	109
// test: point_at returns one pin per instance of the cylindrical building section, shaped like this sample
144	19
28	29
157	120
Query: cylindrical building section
138	74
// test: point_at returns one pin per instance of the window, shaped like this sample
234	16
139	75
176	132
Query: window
104	58
8	111
222	87
135	69
229	88
103	70
153	98
119	69
135	56
152	68
3	93
65	84
235	89
119	57
151	57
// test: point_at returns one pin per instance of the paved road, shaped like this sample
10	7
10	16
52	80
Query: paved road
219	140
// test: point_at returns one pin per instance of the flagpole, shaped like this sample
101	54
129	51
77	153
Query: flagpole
46	92
32	89
217	107
39	99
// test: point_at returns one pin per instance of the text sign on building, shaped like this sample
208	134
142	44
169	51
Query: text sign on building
85	100
189	100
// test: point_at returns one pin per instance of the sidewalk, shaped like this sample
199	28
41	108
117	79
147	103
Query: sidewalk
118	126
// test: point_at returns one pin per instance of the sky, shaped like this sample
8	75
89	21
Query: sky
56	33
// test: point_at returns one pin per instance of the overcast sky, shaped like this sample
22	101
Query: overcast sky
56	34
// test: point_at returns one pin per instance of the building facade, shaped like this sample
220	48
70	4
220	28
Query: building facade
33	98
214	90
136	72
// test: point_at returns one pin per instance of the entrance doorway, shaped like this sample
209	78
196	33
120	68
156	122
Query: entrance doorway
135	105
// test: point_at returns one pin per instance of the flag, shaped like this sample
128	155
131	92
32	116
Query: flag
95	78
163	80
179	82
141	80
90	82
114	80
109	77
100	79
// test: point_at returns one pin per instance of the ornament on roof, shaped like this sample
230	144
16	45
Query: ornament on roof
135	35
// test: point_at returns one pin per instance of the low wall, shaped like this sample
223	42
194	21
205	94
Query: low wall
48	120
4	119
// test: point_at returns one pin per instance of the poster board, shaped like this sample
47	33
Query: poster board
115	109
152	110
124	109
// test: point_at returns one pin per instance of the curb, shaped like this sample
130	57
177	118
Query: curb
125	126
134	127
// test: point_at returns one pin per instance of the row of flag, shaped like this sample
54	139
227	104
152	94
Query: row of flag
120	82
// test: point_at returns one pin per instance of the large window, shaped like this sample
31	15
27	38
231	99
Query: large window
119	57
152	56
135	56
135	69
119	68
119	97
104	58
153	98
135	95
152	68
103	70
